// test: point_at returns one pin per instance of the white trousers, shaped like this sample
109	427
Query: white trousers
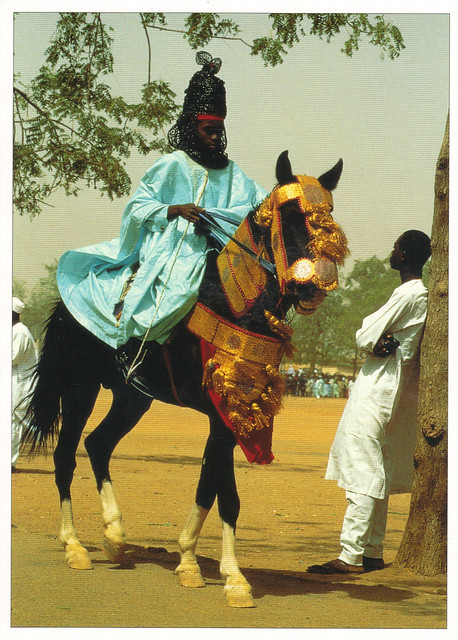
16	433
363	528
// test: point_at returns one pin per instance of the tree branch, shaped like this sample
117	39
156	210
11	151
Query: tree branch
21	121
149	46
183	31
51	120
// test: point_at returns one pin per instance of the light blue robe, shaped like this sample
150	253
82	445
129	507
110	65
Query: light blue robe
172	257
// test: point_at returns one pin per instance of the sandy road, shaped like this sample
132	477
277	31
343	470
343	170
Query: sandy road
290	518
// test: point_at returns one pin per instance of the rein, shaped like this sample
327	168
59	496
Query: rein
207	220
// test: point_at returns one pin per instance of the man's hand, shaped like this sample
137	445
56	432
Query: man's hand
187	211
385	345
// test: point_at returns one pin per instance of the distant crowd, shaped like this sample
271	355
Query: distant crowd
300	382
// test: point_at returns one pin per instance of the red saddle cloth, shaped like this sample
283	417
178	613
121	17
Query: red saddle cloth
257	446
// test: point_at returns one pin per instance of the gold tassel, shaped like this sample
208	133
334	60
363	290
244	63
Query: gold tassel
263	216
218	379
283	330
261	421
208	372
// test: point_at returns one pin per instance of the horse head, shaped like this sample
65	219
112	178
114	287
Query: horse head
306	244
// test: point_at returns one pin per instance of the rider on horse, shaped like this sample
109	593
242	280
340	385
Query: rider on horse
144	282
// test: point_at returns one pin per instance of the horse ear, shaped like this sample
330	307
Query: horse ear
283	170
330	179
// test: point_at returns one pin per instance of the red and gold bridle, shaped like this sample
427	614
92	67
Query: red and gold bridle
327	242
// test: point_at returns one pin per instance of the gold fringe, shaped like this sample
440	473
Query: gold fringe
244	370
251	394
328	239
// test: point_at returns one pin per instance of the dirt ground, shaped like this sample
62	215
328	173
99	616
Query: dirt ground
290	518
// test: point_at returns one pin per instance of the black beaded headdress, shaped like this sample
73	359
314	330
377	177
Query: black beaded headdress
205	96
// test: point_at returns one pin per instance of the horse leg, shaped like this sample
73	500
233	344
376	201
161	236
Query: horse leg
188	570
236	588
77	406
127	408
217	479
76	555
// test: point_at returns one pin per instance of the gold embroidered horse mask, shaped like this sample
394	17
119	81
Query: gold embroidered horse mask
306	243
298	207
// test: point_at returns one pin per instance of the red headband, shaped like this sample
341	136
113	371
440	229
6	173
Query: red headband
209	116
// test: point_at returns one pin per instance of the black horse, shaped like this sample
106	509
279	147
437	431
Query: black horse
283	254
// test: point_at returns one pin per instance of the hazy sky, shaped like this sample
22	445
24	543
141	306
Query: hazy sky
385	118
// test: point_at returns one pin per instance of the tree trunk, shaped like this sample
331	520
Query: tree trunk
424	544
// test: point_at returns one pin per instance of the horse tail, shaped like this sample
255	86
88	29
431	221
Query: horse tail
43	414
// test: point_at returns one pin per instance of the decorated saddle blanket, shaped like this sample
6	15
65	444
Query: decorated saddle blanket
241	374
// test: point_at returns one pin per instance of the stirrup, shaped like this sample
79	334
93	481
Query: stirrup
133	379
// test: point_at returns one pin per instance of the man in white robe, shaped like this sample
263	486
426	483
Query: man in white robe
25	358
372	453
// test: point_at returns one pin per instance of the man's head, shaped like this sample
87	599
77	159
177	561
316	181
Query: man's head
211	142
17	307
411	251
199	130
211	132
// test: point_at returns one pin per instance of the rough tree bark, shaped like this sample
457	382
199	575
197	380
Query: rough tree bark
424	544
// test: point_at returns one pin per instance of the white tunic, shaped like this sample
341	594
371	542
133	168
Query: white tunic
24	353
372	452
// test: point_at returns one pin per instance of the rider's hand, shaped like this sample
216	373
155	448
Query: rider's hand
187	211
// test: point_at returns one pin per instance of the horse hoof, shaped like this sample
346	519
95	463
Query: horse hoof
240	600
190	577
78	558
114	551
238	594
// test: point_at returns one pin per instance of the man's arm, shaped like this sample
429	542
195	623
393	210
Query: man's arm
380	323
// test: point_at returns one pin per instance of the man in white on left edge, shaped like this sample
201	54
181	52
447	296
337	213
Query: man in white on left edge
25	358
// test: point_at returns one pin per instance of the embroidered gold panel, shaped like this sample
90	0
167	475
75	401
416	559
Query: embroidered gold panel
244	370
242	277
